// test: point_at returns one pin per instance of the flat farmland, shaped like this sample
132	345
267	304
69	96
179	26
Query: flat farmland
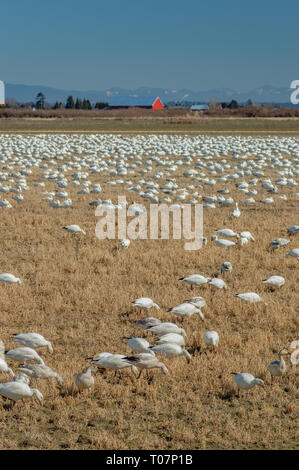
77	290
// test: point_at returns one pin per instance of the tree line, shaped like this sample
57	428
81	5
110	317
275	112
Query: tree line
40	103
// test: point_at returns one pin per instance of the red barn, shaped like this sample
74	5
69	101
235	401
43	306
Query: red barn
157	104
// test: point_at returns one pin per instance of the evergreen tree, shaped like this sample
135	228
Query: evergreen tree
40	101
70	103
101	105
233	104
78	104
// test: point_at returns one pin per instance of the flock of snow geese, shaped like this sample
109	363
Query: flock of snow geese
70	160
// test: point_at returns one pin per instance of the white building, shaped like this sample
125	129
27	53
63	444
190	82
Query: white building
2	93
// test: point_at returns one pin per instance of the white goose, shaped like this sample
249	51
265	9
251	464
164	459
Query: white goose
171	338
3	364
165	328
217	283
18	390
245	381
171	350
275	281
145	302
24	355
227	232
186	310
140	345
199	302
113	361
278	368
222	242
294	229
39	371
236	211
125	242
85	379
211	338
294	252
148	322
74	229
195	280
251	297
226	267
8	278
33	340
145	361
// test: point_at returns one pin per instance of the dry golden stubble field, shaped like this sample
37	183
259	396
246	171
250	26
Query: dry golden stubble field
77	292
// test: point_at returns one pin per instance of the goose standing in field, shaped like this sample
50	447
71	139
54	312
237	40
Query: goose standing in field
8	278
165	328
186	310
39	371
145	302
226	267
125	242
218	283
18	390
251	297
85	379
113	361
74	229
246	381
3	364
33	340
145	361
275	281
279	242
148	322
278	368
195	280
227	232
139	344
24	355
222	242
171	350
171	338
294	252
236	211
211	338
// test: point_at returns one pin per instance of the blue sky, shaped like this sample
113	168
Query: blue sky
200	45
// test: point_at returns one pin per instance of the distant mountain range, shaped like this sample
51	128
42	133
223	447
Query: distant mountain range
144	95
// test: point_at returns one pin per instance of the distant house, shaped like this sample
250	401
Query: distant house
2	93
144	103
199	107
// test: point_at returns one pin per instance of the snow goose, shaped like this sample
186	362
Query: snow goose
294	252
139	344
145	302
227	232
245	381
251	297
85	379
275	281
218	283
33	340
279	242
125	242
18	390
9	278
186	310
195	280
24	355
145	361
39	371
148	322
211	338
171	350
226	267
278	368
222	242
171	338
248	235
113	361
3	364
165	328
74	229
236	211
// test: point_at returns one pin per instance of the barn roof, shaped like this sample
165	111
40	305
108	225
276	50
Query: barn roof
199	107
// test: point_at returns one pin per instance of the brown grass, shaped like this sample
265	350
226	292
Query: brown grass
77	292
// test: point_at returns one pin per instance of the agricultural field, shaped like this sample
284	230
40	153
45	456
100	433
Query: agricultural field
77	290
